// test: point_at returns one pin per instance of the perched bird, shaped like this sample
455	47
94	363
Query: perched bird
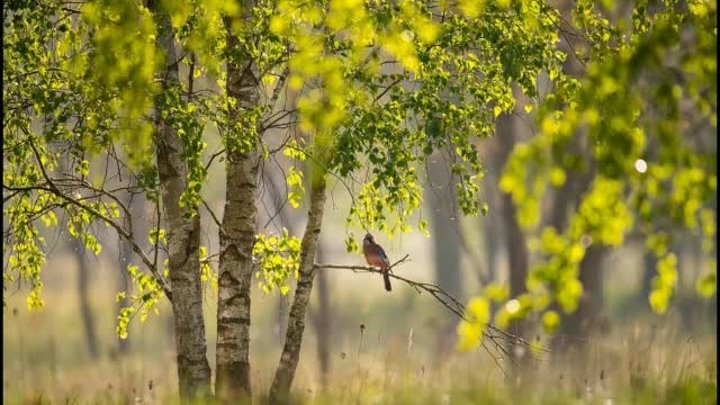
376	257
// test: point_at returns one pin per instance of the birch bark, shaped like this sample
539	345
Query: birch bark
285	372
237	237
183	238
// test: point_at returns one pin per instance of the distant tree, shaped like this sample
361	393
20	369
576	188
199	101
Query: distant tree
86	313
648	81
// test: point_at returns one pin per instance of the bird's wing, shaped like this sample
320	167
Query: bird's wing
380	252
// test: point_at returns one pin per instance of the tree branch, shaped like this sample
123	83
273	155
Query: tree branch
492	333
122	232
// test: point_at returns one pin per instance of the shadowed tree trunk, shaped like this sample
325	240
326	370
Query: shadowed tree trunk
492	234
649	272
285	372
446	244
237	237
444	222
515	239
587	319
492	223
322	318
88	319
183	238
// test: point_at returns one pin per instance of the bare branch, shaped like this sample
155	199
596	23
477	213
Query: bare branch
497	336
212	214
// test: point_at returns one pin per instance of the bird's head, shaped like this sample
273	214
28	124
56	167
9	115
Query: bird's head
369	238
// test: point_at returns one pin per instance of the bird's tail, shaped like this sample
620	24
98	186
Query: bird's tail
386	278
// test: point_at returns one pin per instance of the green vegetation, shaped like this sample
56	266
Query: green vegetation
106	102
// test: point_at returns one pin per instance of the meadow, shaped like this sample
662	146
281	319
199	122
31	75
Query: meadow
403	354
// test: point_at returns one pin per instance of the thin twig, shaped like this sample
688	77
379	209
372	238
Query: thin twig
491	332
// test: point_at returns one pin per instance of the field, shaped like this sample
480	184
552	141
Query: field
404	355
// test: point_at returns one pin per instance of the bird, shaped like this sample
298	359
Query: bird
376	257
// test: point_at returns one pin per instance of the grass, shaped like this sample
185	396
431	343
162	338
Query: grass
632	366
643	360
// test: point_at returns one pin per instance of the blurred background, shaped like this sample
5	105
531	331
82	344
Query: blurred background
70	350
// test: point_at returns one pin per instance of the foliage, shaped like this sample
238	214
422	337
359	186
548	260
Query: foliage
279	258
144	300
80	80
380	86
632	149
402	81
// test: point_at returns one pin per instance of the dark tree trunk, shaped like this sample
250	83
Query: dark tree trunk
491	225
285	372
88	319
444	223
445	236
183	239
588	319
322	319
493	233
649	272
515	239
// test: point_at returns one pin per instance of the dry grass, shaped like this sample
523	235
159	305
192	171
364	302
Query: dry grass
649	361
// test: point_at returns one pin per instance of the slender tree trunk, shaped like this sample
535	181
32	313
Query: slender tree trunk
183	241
446	245
492	224
517	247
280	389
322	319
587	319
237	237
287	220
649	272
88	319
492	233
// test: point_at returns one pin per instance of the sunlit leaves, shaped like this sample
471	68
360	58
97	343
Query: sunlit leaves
143	300
188	120
294	151
206	270
25	260
496	292
125	61
279	259
471	8
470	331
157	235
296	190
200	29
550	321
677	179
663	285
706	285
